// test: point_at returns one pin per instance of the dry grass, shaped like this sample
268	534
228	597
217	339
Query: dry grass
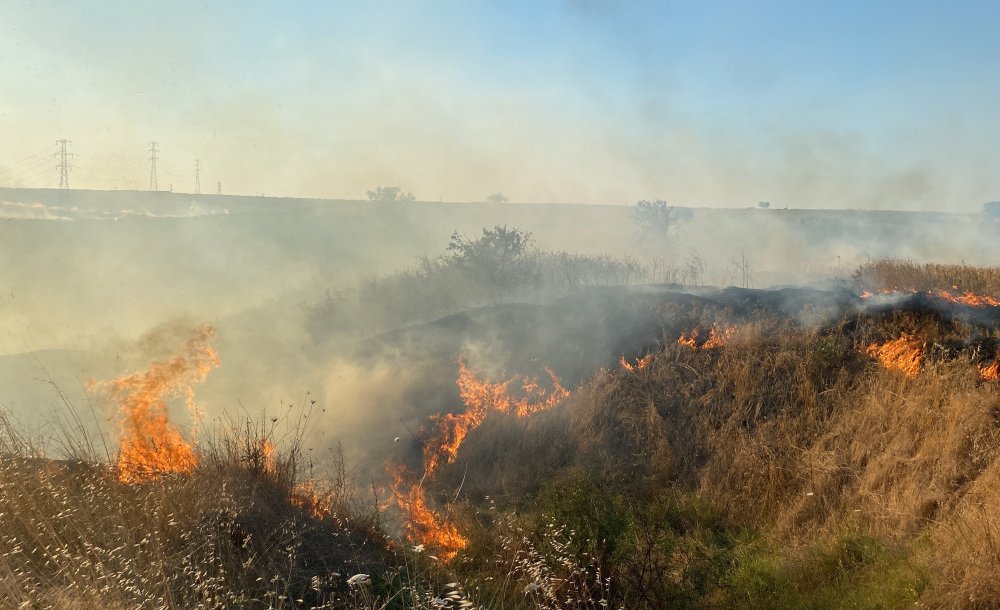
235	534
903	275
794	433
786	468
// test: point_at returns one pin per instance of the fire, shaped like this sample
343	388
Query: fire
423	525
317	502
480	398
991	371
717	337
444	437
968	298
904	354
640	363
689	339
151	445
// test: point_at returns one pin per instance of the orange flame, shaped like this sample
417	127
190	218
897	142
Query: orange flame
422	524
480	398
446	434
904	354
317	502
968	298
991	371
151	446
690	339
717	337
640	363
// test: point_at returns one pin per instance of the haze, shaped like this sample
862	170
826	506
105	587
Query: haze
808	104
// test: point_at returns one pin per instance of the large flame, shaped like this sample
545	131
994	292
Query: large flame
443	437
150	444
905	354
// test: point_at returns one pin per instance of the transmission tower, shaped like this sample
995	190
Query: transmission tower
197	176
64	158
218	188
153	186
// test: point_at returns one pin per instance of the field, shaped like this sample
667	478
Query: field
805	447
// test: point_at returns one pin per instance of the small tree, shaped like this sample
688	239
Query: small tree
389	193
496	198
498	258
763	204
653	217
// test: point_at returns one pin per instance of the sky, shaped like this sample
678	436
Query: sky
806	104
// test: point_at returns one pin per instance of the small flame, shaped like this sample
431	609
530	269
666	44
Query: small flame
718	336
905	354
444	438
640	363
309	497
151	445
689	339
991	371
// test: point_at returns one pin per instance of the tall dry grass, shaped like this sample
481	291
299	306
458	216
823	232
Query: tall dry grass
891	274
240	532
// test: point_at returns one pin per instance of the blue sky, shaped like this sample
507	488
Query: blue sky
807	104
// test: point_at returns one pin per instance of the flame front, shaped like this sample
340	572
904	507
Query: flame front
905	354
969	298
151	445
444	437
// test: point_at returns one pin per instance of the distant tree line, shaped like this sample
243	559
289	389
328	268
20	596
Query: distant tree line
389	193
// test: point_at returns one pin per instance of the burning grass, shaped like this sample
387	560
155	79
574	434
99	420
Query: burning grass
444	436
151	446
717	337
977	286
770	464
904	354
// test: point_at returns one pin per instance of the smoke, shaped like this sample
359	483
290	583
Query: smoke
611	118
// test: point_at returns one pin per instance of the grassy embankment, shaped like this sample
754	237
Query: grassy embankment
786	468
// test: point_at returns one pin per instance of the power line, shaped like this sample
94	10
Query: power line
153	186
197	176
63	166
